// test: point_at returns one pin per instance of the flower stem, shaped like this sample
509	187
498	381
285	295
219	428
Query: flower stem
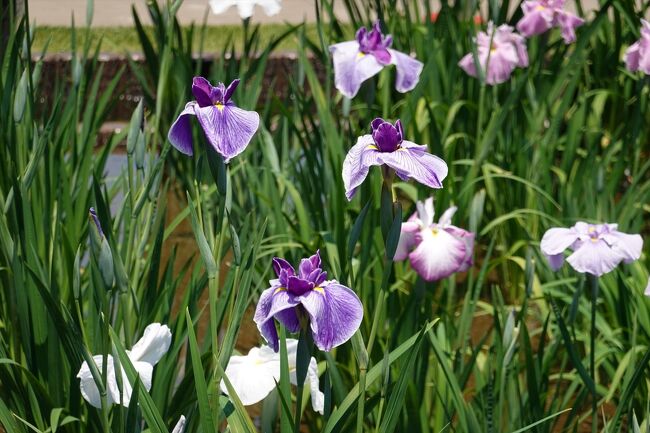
303	356
592	353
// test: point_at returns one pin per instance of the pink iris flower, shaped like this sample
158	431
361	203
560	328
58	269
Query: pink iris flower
637	56
597	248
435	250
499	52
541	15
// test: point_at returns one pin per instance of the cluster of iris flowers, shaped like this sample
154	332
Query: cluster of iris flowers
304	299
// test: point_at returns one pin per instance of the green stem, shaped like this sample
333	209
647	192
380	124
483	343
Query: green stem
303	357
592	354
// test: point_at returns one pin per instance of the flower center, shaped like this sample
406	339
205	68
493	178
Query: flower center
219	106
361	55
319	290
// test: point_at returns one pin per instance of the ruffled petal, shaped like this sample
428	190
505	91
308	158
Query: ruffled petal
408	70
595	257
153	344
180	134
629	246
228	128
252	376
88	387
352	67
557	239
438	255
357	163
412	161
534	22
335	313
500	65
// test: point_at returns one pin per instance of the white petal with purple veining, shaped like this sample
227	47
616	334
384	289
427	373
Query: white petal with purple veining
357	163
413	161
228	128
408	70
352	67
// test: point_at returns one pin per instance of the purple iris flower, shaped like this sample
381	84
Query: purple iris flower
228	128
435	250
386	146
499	52
542	15
334	311
637	56
356	61
597	248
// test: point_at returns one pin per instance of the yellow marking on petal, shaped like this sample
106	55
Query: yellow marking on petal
259	362
434	232
372	146
219	106
540	8
591	229
280	289
319	290
361	55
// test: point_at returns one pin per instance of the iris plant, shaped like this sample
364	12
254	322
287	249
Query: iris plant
358	60
334	311
227	127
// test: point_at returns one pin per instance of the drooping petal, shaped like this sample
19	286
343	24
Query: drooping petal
154	343
555	261
468	65
632	57
252	376
352	67
438	255
335	313
180	134
357	163
406	240
413	161
629	246
272	301
89	389
557	239
594	257
536	20
145	372
228	128
408	71
568	23
180	425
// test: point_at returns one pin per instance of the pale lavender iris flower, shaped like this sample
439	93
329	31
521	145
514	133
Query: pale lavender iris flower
637	56
435	250
333	310
356	61
386	146
499	52
228	128
597	248
541	15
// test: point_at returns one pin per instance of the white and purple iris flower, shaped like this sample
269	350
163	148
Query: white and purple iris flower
542	15
435	250
499	52
386	146
146	353
333	310
356	61
637	56
228	128
597	248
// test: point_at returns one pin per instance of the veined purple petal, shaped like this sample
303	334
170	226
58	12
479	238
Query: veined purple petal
557	239
352	67
309	264
357	163
228	128
180	134
202	89
297	286
594	257
438	255
406	240
408	71
629	246
387	137
335	313
272	301
230	90
413	161
280	264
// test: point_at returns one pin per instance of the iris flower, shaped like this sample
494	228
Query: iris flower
228	128
144	355
333	310
436	250
542	15
499	52
597	248
386	146
254	376
356	61
245	7
637	56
